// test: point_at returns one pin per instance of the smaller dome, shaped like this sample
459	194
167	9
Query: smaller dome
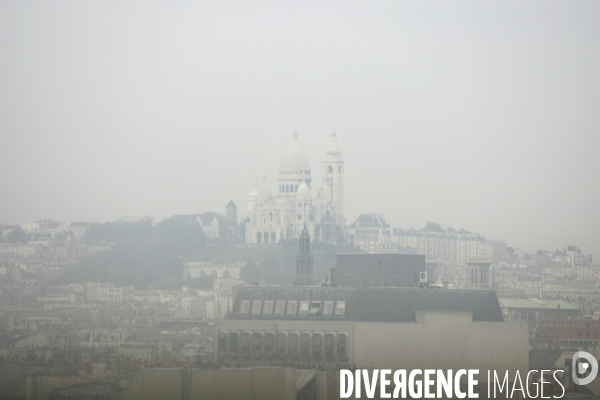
324	193
303	191
264	191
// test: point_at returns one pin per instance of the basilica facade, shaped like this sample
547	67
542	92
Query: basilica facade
292	208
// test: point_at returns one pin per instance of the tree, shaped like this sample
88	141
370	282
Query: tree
17	235
118	232
433	227
180	234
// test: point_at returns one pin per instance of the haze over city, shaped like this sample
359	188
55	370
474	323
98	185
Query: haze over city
477	116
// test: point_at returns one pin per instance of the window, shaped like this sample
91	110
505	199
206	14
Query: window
292	306
587	324
317	346
579	334
580	325
222	345
257	344
543	324
328	308
329	346
303	308
305	346
246	339
595	325
234	345
293	346
268	307
543	333
572	324
341	346
572	334
281	344
315	308
564	334
244	307
340	308
595	334
549	324
256	307
550	333
269	345
587	334
280	307
564	324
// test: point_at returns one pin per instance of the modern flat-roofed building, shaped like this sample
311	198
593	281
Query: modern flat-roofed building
396	328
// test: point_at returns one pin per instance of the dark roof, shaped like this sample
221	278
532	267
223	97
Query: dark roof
231	204
370	221
378	304
12	380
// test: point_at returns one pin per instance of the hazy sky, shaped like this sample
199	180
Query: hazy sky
479	115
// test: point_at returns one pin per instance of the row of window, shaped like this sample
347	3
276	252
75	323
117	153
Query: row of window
288	188
566	334
292	308
305	346
572	324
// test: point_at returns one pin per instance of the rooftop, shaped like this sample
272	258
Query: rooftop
360	303
508	302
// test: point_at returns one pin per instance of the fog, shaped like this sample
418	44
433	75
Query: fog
481	116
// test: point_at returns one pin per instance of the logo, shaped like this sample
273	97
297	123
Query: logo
582	364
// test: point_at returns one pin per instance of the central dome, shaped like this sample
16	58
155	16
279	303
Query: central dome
295	158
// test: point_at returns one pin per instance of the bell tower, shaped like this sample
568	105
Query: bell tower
231	211
333	175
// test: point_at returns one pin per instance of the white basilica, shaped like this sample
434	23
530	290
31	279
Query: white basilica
283	215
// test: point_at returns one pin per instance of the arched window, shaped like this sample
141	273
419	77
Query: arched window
222	344
296	188
340	169
246	345
273	237
266	237
257	345
287	188
330	169
213	273
258	237
270	217
234	345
